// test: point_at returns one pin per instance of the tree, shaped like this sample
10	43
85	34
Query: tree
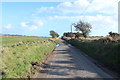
84	27
54	34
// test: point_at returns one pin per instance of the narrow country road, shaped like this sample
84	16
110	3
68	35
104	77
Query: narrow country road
69	62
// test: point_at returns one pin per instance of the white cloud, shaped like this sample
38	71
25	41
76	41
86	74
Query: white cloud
98	21
104	6
33	24
24	24
66	7
42	9
8	26
78	6
103	22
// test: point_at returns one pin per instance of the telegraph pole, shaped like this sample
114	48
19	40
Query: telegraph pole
71	31
73	24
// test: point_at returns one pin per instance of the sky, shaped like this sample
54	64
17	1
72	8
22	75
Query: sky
38	18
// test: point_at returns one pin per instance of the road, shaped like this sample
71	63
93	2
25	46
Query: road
69	62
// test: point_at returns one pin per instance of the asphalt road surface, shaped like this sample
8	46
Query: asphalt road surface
69	62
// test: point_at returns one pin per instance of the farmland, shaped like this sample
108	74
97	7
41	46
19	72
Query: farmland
105	52
20	54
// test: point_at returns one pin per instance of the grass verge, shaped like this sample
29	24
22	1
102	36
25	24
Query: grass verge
19	53
108	54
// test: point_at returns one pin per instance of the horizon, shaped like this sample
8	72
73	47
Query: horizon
38	18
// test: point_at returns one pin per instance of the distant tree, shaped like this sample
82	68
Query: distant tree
54	34
84	27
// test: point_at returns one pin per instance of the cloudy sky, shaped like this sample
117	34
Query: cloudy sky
38	18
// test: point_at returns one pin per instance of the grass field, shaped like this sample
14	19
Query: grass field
108	54
17	54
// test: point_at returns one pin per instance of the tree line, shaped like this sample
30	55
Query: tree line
81	26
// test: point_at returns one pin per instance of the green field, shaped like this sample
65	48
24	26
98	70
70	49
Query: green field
107	54
17	54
